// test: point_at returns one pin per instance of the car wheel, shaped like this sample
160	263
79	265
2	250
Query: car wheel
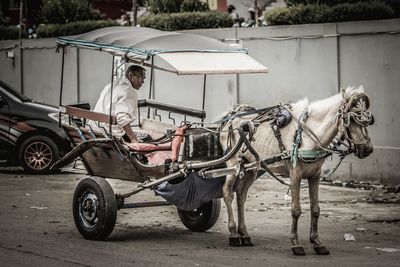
38	153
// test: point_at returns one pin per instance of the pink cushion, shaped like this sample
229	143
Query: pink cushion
147	147
177	141
158	157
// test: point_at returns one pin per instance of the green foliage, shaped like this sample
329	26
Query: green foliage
304	14
64	11
194	5
187	20
176	6
73	28
164	6
10	33
323	2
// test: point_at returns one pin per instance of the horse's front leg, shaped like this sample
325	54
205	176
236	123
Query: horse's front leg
234	240
245	184
296	212
319	248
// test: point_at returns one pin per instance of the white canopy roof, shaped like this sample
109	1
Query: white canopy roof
187	63
183	53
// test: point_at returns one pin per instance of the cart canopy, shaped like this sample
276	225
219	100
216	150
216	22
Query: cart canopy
181	53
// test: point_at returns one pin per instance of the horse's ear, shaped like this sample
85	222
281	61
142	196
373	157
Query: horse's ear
343	91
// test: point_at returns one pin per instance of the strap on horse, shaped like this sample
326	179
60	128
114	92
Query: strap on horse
252	111
255	154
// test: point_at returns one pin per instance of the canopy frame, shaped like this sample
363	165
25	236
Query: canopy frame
142	56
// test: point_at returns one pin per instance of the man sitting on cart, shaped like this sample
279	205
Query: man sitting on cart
124	102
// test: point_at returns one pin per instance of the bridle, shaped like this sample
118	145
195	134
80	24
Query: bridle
355	109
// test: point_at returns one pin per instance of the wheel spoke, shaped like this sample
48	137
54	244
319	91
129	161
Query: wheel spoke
46	148
46	161
41	147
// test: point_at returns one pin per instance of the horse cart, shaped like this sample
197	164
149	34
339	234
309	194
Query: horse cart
183	163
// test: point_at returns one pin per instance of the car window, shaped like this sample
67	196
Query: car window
10	91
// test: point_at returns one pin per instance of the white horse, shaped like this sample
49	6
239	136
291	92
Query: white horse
344	115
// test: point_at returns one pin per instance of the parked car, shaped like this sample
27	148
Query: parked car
29	132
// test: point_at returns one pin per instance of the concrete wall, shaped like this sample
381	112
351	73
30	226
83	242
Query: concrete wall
304	61
327	57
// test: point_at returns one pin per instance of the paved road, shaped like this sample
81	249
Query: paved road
37	229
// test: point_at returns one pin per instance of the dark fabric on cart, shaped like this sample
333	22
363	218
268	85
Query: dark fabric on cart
191	193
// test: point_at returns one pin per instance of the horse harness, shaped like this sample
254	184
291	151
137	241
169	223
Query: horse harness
355	108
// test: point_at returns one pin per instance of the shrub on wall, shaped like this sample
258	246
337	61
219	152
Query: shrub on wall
322	2
187	21
303	14
73	28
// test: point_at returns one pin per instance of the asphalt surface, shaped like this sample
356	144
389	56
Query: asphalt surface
37	228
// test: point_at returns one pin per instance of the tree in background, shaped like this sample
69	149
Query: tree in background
4	5
176	6
164	6
194	5
64	11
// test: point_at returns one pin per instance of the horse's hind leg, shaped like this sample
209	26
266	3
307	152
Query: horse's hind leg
296	212
234	240
247	181
319	248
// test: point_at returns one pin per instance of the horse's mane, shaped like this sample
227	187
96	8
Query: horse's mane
346	93
300	106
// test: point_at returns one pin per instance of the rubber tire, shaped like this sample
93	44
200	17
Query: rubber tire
43	139
107	208
202	218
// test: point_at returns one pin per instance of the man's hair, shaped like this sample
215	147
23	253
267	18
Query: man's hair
135	70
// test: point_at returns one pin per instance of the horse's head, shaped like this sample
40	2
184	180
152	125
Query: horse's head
354	118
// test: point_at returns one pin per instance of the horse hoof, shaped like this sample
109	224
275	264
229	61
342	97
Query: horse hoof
234	241
246	242
321	250
298	251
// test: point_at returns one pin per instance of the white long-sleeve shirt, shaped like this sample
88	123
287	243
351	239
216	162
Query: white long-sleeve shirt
124	105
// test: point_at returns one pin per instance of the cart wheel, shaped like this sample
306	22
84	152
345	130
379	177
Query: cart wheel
203	218
94	208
